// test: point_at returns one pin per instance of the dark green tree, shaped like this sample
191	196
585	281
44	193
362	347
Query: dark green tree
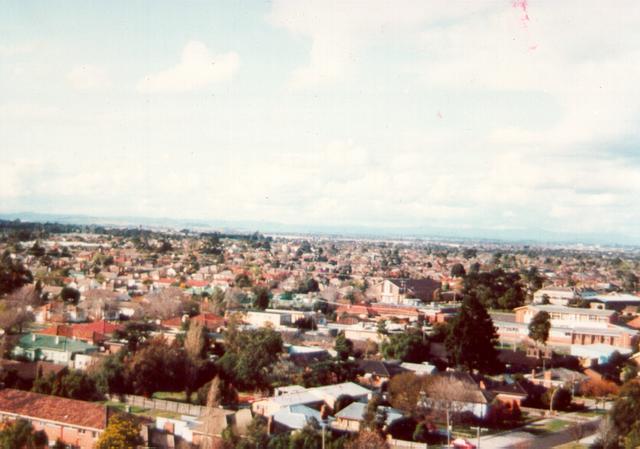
13	274
410	346
539	327
343	347
261	297
249	355
458	271
472	338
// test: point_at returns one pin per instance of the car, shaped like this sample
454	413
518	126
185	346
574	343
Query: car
461	443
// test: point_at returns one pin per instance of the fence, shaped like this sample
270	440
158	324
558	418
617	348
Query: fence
402	444
161	404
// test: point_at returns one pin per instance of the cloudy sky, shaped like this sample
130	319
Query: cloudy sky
496	115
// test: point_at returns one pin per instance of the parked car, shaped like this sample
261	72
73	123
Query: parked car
461	443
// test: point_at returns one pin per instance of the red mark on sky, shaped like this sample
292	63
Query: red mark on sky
439	114
522	4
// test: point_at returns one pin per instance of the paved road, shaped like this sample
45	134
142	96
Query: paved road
531	438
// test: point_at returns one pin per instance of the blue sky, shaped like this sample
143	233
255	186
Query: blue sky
497	115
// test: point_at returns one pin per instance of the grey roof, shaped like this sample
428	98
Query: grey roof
296	416
356	410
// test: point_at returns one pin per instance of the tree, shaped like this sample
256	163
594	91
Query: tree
243	280
13	274
472	338
408	347
374	417
59	444
469	253
308	285
309	437
561	398
367	440
382	328
70	295
135	333
155	367
195	345
108	374
68	384
421	433
261	297
458	271
21	435
599	389
218	392
539	327
625	413
343	346
249	355
404	392
15	308
122	432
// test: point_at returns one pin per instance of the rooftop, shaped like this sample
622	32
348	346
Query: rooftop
53	408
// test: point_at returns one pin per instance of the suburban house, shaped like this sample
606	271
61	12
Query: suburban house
559	377
76	423
350	418
569	325
272	317
402	291
458	392
93	333
377	372
311	397
51	348
295	417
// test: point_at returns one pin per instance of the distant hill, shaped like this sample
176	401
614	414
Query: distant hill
521	236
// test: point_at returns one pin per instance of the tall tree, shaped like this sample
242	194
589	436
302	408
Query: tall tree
539	327
472	338
343	346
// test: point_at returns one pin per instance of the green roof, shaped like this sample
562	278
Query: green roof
64	344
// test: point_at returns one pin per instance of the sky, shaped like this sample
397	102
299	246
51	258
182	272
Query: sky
497	115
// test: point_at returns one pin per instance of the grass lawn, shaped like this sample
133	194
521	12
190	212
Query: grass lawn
177	396
551	426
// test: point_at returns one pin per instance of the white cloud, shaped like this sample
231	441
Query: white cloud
339	30
88	77
197	69
22	48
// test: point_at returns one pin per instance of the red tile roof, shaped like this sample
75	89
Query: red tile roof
210	320
94	331
41	406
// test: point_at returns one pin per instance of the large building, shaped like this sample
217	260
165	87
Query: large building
557	296
75	423
406	291
569	326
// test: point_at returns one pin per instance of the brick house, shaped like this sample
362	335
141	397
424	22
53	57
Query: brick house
76	423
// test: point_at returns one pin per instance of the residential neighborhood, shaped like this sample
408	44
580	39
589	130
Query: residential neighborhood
214	340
